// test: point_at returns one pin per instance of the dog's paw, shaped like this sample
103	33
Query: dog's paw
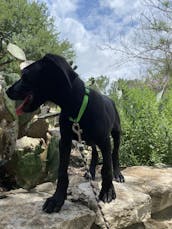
107	195
52	205
118	177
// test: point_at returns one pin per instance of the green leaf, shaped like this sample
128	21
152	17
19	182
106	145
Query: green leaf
159	95
15	51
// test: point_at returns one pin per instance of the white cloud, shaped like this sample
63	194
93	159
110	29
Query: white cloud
62	8
73	30
90	59
115	4
122	7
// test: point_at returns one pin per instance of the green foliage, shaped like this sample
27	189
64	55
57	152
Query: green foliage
9	104
166	104
17	52
10	78
146	123
99	83
28	168
52	159
146	127
166	3
32	167
28	25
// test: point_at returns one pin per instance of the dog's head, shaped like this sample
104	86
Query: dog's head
44	80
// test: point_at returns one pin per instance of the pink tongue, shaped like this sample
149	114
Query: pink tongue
19	110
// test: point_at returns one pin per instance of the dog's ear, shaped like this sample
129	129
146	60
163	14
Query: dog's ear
59	66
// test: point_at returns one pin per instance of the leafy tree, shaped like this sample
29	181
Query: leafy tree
151	42
28	25
99	83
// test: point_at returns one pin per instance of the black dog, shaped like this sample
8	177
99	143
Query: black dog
52	79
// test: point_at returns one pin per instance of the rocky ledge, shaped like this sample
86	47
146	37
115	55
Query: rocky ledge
144	201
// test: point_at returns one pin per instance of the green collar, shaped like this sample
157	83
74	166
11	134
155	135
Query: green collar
82	108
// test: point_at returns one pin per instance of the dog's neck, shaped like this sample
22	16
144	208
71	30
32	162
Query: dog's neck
70	100
77	94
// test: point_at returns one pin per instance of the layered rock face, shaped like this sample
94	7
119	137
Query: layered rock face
31	159
143	202
8	124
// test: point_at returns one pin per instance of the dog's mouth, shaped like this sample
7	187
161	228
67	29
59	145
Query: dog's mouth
24	105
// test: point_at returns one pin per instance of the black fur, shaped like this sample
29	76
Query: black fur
52	79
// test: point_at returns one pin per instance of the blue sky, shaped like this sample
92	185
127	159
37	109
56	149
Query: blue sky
89	25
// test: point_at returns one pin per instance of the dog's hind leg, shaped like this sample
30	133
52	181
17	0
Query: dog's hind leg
94	161
115	155
107	192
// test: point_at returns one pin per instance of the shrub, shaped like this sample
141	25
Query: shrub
146	127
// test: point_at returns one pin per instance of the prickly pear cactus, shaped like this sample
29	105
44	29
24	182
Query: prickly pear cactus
52	163
8	123
10	78
29	169
28	165
35	162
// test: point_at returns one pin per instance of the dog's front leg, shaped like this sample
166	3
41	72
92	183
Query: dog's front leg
54	203
107	192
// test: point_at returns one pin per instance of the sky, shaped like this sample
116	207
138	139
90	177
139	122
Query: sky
92	24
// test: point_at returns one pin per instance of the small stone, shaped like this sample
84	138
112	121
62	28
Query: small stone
47	187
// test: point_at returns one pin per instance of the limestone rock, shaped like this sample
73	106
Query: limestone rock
24	120
47	187
83	193
38	128
136	205
29	144
153	181
147	191
136	226
158	224
130	207
24	210
165	214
